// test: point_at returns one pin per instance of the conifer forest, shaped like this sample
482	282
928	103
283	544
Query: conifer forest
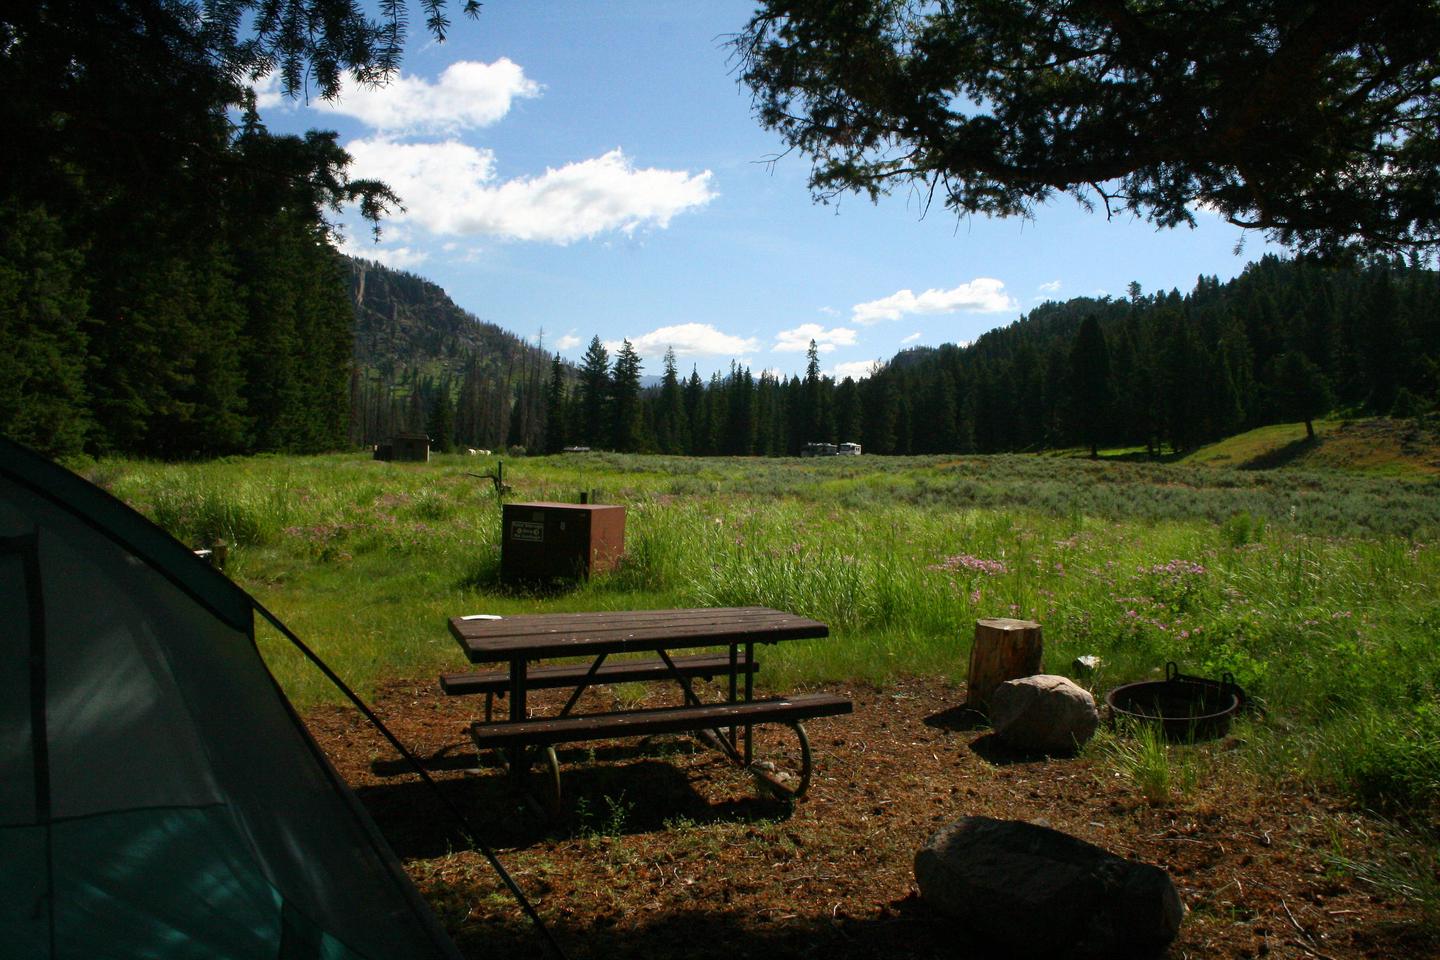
170	288
1287	341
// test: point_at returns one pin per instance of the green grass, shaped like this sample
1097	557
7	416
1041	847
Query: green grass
1319	591
1255	445
1159	771
1376	446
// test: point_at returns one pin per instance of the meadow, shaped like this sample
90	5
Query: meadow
1319	591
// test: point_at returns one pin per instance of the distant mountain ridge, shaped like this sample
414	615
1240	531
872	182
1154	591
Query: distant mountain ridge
405	320
421	362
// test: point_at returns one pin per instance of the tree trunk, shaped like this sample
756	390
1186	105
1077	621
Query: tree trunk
1004	649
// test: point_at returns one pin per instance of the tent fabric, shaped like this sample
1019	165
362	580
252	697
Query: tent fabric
159	796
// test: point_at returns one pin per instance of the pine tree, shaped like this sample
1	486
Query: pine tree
1182	377
882	409
670	420
813	405
694	413
43	399
849	413
440	420
594	395
625	399
1382	339
740	413
555	421
1301	391
1091	390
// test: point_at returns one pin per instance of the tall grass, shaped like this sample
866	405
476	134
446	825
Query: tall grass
1320	593
1158	770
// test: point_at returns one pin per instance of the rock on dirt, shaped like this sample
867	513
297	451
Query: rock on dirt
1033	892
1043	714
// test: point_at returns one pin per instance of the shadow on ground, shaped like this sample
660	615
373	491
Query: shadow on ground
612	790
1282	456
710	932
993	750
957	719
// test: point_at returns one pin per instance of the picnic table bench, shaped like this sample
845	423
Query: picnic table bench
727	724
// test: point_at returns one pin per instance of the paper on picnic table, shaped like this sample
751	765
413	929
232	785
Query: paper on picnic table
483	616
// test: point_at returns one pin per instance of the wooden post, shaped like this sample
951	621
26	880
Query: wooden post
1004	649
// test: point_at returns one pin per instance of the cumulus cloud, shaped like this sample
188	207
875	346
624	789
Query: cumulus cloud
469	94
798	340
568	342
399	258
452	188
1052	287
690	340
910	339
981	295
855	370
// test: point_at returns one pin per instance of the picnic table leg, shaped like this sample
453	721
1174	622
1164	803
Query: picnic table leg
784	782
551	794
734	656
518	666
749	695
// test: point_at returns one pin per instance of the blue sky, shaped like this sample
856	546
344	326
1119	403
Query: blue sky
589	169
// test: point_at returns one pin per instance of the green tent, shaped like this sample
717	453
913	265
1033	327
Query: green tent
159	797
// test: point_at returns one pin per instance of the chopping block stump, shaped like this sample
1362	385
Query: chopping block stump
1004	649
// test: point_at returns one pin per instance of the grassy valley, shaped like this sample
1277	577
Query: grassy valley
1318	589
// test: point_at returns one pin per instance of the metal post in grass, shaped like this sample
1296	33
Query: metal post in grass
1004	649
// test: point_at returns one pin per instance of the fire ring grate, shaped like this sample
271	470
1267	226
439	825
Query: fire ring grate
1187	708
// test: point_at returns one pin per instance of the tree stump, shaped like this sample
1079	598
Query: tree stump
1004	649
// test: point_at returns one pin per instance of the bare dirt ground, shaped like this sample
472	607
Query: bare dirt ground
663	849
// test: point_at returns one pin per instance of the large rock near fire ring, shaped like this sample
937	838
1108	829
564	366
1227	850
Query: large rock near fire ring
1033	891
1043	714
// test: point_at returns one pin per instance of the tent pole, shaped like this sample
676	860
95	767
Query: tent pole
415	764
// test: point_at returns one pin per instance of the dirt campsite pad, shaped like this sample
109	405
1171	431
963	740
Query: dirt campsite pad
665	850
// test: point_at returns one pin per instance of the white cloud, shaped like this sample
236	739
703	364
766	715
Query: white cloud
568	342
452	188
798	340
469	94
690	340
911	339
856	369
1052	287
829	312
267	91
981	295
399	258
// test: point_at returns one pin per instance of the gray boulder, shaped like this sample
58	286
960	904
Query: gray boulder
1043	714
1033	891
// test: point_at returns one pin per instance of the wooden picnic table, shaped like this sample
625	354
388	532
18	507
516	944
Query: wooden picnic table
522	640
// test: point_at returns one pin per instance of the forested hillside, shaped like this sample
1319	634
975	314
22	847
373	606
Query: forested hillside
424	364
1286	341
